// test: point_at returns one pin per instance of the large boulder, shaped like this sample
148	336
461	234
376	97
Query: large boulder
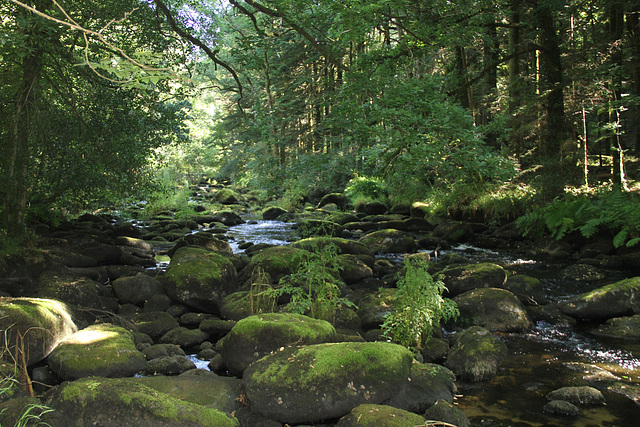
136	289
627	327
200	278
316	382
497	310
615	300
256	336
33	327
130	402
78	291
319	227
389	241
529	290
475	354
375	306
277	261
353	269
99	350
463	278
345	246
154	323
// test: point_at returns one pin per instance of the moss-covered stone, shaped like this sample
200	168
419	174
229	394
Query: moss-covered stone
42	324
426	384
615	300
277	261
475	354
368	415
529	290
155	323
76	291
389	241
345	246
319	227
463	278
200	278
584	395
373	307
136	289
497	310
353	268
446	412
627	327
110	402
99	350
255	336
323	381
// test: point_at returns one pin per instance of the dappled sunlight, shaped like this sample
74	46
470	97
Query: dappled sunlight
87	337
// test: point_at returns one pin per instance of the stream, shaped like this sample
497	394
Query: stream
539	361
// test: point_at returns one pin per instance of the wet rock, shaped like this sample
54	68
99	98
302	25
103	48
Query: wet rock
98	350
475	354
496	310
200	278
323	381
435	350
342	218
445	411
226	196
272	213
345	246
136	289
256	336
238	305
584	395
463	278
155	324
627	327
374	307
379	416
169	365
124	401
42	324
389	241
582	273
529	290
427	384
560	407
615	300
201	240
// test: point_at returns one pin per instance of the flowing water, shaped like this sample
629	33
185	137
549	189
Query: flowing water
542	360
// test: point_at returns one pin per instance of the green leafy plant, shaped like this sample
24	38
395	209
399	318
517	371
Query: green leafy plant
261	295
315	287
363	186
418	307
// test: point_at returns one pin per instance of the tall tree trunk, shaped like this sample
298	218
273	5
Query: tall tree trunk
616	31
551	84
515	78
633	29
491	50
19	144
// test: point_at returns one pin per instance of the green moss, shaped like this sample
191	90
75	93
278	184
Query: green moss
631	284
368	415
288	327
189	262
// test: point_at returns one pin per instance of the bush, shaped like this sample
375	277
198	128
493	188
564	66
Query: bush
418	307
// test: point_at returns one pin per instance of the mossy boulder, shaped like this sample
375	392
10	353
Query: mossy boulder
374	307
389	241
345	246
202	240
111	402
475	354
42	324
342	217
615	300
170	365
353	268
497	310
427	383
236	306
309	383
136	289
64	286
277	261
319	227
200	278
337	199
463	278
227	196
583	395
99	350
256	336
446	412
368	415
184	337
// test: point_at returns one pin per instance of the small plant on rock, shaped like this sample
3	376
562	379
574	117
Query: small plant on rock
418	307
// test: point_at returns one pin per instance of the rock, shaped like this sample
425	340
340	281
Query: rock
445	411
124	401
427	383
200	278
157	302
169	365
319	227
345	246
155	323
338	199
379	416
463	278
277	261
435	350
456	231
615	300
136	289
528	289
560	407
324	381
342	218
256	336
134	242
201	240
183	337
496	310
389	241
42	324
98	350
584	395
475	354
374	307
227	196
237	305
103	254
353	269
228	218
272	213
582	273
76	291
372	208
162	350
620	327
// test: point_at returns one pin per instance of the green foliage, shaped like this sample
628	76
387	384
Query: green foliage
615	211
418	307
315	287
262	297
370	188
